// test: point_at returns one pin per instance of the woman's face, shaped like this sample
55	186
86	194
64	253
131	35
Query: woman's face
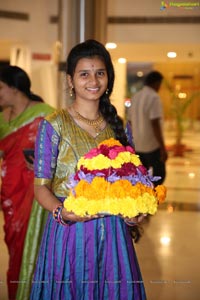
90	79
7	95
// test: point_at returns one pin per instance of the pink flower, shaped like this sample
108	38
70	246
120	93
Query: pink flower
92	153
115	151
130	149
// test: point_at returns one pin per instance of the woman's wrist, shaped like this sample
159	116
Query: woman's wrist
57	216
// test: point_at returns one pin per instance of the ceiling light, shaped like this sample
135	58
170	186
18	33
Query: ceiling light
122	60
111	45
171	54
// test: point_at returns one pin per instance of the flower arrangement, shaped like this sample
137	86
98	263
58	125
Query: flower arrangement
111	179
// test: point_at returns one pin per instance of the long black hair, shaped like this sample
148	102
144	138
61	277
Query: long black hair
91	48
16	77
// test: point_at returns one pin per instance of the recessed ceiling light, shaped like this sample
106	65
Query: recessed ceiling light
111	45
171	54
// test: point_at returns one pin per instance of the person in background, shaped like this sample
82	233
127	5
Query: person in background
146	118
88	257
21	114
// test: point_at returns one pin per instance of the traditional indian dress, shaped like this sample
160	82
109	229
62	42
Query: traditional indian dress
17	183
93	260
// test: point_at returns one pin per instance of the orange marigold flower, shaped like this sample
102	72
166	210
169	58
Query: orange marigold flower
119	189
81	188
110	143
161	193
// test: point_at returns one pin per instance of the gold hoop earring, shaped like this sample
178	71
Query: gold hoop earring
107	91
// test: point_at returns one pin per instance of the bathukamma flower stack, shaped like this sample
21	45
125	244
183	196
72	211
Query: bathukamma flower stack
110	179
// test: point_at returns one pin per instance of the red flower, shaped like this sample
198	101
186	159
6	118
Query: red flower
142	169
126	170
104	149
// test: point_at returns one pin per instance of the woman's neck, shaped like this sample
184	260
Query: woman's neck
17	109
89	111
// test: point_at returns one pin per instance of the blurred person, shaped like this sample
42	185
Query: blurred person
146	118
21	114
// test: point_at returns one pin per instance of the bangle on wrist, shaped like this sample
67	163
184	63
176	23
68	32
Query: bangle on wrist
57	216
56	213
65	222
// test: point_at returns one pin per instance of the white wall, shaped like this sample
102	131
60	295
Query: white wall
37	31
155	33
27	37
119	91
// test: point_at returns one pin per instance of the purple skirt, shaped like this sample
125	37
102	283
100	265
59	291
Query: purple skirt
94	260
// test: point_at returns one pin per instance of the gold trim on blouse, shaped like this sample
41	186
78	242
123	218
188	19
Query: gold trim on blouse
42	181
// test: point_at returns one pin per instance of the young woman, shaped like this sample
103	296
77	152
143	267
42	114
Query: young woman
91	257
21	114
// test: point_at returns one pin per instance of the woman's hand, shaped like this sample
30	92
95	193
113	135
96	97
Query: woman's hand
70	216
29	165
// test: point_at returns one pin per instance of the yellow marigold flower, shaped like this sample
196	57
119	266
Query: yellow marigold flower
135	160
99	162
122	157
129	208
96	163
126	207
146	204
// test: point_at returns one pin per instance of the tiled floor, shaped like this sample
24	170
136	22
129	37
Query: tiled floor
168	252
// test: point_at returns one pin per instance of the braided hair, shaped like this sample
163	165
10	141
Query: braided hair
91	48
16	77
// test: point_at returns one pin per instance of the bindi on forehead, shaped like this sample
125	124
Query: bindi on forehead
92	65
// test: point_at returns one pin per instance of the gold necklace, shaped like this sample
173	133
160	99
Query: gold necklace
94	123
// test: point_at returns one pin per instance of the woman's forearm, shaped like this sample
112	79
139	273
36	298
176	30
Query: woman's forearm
45	197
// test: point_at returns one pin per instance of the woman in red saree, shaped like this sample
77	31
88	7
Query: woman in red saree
21	114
